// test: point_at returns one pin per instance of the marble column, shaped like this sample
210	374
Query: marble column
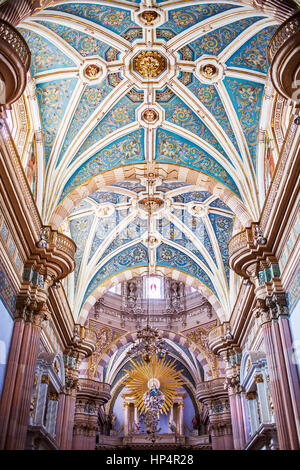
136	418
68	412
252	403
59	418
276	392
284	389
237	418
240	420
15	402
126	418
180	418
10	378
291	368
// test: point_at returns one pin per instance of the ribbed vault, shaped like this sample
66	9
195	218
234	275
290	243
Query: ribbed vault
105	122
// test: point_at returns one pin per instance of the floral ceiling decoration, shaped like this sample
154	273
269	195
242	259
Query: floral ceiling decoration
105	121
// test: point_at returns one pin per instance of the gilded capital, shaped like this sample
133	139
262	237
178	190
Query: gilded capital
250	395
259	378
45	379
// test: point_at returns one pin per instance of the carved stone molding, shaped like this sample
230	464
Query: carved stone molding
221	340
32	311
245	251
16	11
283	57
93	389
277	305
15	59
233	384
71	384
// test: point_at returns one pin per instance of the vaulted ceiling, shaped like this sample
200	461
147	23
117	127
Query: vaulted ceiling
125	90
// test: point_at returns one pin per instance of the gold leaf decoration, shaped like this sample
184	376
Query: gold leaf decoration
161	369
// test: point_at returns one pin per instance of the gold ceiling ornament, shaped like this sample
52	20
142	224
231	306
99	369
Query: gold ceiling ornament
149	17
159	373
151	204
149	64
92	71
150	115
209	70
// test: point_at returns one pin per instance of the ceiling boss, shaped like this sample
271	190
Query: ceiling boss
149	64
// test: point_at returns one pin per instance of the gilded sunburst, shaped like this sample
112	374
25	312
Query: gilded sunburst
166	375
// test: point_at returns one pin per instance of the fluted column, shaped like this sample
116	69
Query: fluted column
11	374
180	420
67	412
279	383
17	390
237	418
287	371
60	417
126	418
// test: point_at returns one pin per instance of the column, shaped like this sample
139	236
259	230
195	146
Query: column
281	372
291	368
52	413
232	359
240	418
66	431
42	386
126	418
136	419
15	405
263	398
59	419
280	418
235	420
10	378
252	404
171	419
180	418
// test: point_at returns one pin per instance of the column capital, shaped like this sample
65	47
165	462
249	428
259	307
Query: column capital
45	379
233	384
30	310
250	395
71	384
258	378
277	305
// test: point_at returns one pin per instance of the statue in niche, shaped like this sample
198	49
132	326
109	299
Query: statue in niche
175	296
131	294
